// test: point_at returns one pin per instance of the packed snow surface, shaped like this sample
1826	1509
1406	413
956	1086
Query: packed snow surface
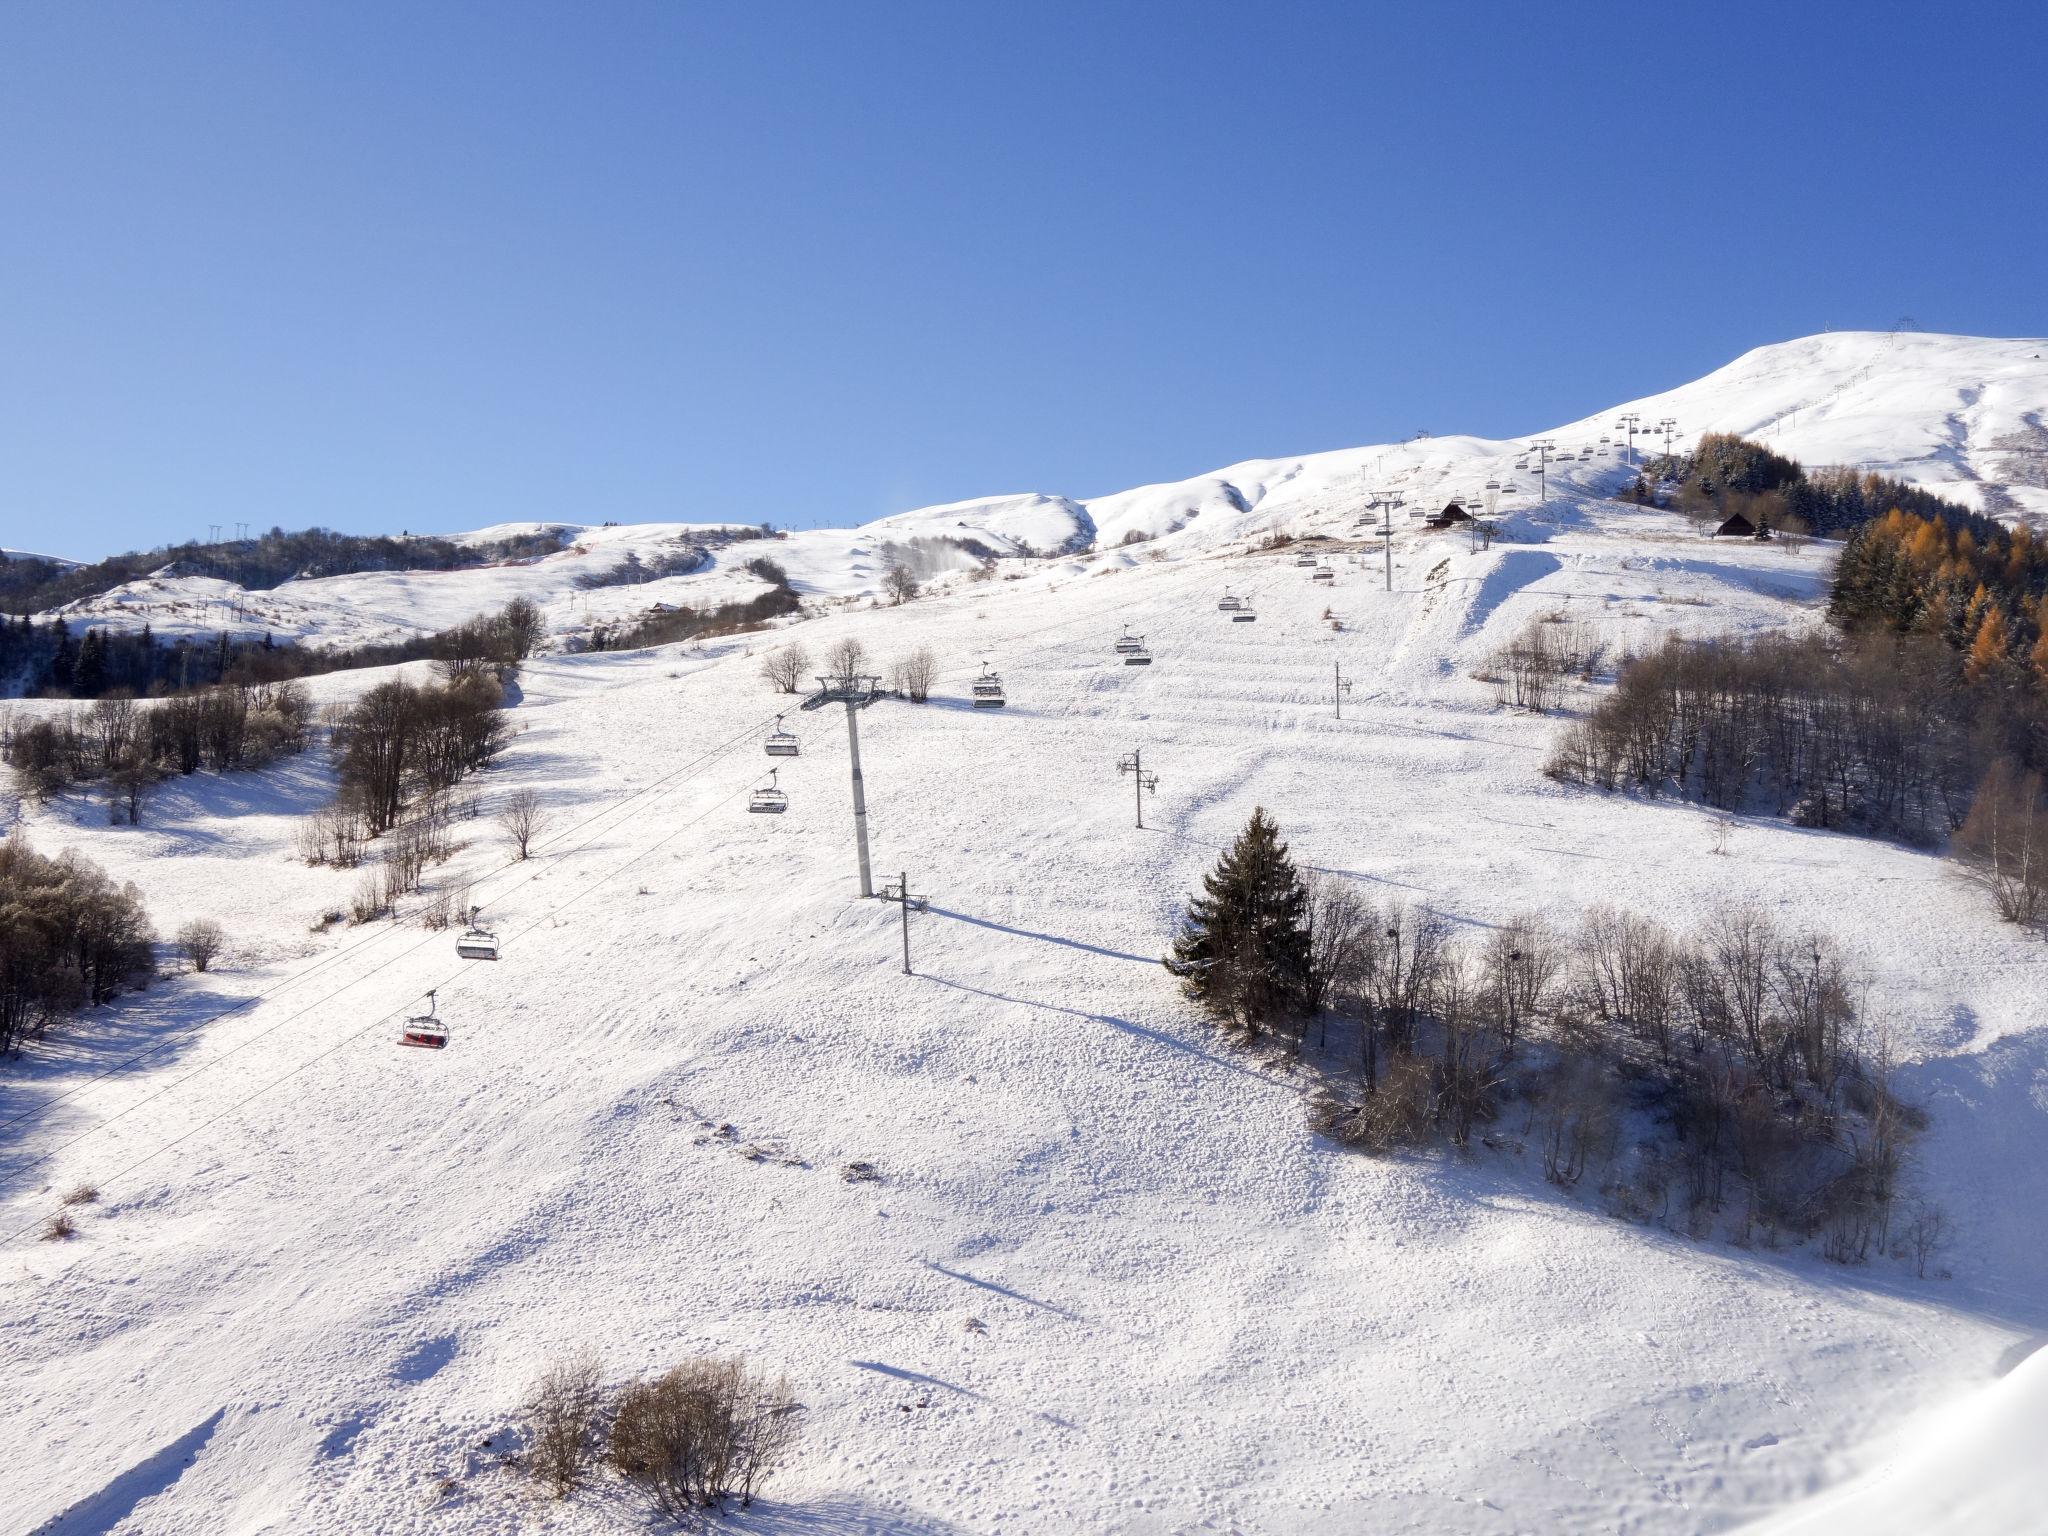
1104	1279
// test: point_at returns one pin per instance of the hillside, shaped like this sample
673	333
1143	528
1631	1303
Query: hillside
1959	414
1107	1279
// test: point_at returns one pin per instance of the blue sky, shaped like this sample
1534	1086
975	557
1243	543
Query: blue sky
383	266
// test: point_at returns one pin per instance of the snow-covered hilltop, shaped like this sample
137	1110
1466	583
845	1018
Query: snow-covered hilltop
1962	415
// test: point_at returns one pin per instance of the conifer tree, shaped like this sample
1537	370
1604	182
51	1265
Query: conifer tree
1243	949
89	672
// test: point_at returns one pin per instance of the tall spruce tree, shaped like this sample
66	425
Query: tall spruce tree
1243	949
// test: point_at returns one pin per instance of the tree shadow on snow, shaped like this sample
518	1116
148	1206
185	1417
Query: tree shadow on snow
143	1033
1154	1036
1043	938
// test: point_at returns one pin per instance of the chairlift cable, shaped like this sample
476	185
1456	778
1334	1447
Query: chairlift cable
300	1012
453	980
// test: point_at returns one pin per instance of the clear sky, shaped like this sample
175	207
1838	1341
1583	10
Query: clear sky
435	265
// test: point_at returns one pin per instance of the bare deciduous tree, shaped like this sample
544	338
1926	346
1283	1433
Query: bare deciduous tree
900	583
914	674
846	658
786	666
522	819
200	941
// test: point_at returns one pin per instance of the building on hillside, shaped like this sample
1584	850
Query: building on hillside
1737	527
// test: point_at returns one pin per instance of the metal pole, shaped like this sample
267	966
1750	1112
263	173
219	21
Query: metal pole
1387	539
1138	783
860	799
906	922
1338	692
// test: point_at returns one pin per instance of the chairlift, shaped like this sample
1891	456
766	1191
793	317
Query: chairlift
1137	655
477	943
1324	574
1493	485
781	743
1128	642
1243	613
988	689
1228	604
1304	559
767	799
424	1030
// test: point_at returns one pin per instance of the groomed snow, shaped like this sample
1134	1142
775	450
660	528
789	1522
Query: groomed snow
324	1269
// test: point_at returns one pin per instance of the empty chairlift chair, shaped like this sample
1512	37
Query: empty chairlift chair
424	1030
781	743
1228	604
1244	614
477	943
1324	574
1132	649
988	689
767	799
1304	559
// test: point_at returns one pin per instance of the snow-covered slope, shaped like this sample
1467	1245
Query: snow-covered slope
1107	1280
1964	415
1961	414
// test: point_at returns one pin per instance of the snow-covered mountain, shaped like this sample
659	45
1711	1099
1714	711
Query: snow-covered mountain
1964	415
1105	1277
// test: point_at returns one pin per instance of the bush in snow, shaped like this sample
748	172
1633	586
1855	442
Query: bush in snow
561	1418
708	1430
200	941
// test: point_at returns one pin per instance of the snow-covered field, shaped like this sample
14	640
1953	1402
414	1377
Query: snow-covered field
324	1268
1964	415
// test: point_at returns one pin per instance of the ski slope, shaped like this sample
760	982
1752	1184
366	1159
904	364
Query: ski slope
1966	416
1107	1281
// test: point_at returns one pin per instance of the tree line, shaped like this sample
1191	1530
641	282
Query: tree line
1922	716
1720	1075
1725	474
30	585
129	746
48	660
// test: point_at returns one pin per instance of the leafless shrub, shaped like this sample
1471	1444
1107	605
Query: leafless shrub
561	1416
1530	671
58	1228
200	941
1925	1233
914	674
82	1194
1575	1115
434	914
705	1431
2004	842
368	902
1393	1115
522	819
787	666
